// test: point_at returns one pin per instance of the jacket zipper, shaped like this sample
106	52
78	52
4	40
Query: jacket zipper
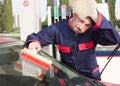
76	53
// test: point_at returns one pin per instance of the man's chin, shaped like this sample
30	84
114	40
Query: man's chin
80	33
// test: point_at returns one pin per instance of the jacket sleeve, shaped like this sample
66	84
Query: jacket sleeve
44	37
105	33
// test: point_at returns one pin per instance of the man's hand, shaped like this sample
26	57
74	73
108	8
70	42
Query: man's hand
94	15
34	46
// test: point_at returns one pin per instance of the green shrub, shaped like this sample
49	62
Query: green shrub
118	23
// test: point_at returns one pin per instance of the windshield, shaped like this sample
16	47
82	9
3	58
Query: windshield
11	70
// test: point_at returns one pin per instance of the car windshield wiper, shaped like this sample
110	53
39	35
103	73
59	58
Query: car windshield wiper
109	59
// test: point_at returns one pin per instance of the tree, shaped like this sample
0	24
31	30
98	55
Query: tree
0	16
111	5
49	2
7	17
118	23
64	2
61	2
99	1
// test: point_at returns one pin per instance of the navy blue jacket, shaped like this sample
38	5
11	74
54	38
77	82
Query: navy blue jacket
78	51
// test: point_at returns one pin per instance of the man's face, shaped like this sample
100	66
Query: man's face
80	26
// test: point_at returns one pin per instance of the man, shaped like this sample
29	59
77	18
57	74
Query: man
77	37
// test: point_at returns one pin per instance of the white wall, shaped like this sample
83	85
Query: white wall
103	8
29	17
112	71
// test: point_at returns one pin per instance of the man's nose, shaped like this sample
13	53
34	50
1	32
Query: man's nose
82	25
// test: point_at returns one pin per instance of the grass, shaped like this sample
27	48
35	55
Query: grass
16	37
118	30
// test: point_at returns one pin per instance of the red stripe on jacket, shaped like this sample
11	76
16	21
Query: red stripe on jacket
85	46
98	21
63	48
95	70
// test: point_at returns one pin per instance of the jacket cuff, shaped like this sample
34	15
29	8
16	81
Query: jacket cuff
99	20
29	41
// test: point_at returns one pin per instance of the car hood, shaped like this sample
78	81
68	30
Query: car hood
109	84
